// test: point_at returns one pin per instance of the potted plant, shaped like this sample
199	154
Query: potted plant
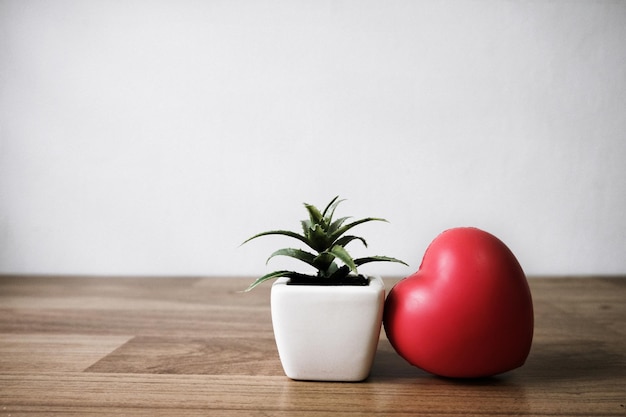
326	324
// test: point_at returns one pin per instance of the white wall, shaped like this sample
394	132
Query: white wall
152	137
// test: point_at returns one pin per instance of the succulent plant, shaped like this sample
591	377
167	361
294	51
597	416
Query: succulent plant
327	239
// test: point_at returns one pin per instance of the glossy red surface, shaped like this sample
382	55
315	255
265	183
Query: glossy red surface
467	312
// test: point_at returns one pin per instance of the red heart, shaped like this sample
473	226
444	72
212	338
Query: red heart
467	312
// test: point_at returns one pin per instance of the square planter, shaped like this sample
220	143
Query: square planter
327	333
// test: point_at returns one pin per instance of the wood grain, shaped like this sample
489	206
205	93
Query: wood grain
93	346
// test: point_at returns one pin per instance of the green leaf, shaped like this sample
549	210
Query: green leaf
336	234
280	274
324	263
281	232
329	211
343	241
271	275
340	273
343	256
330	205
361	261
332	269
336	225
314	214
301	255
318	239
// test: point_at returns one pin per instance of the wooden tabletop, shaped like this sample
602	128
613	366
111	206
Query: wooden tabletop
85	346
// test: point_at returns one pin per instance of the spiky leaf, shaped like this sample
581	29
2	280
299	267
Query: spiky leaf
299	254
281	232
343	241
344	256
271	275
336	234
324	263
336	225
314	214
330	206
340	273
361	261
329	211
318	239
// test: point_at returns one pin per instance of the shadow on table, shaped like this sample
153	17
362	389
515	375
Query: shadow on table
574	359
547	361
388	365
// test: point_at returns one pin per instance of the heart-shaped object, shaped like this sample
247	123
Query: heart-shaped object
467	312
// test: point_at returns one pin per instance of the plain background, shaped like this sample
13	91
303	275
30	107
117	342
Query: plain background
153	137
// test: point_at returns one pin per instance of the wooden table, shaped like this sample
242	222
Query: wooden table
77	346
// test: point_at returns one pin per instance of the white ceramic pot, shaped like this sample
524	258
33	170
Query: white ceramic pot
327	333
